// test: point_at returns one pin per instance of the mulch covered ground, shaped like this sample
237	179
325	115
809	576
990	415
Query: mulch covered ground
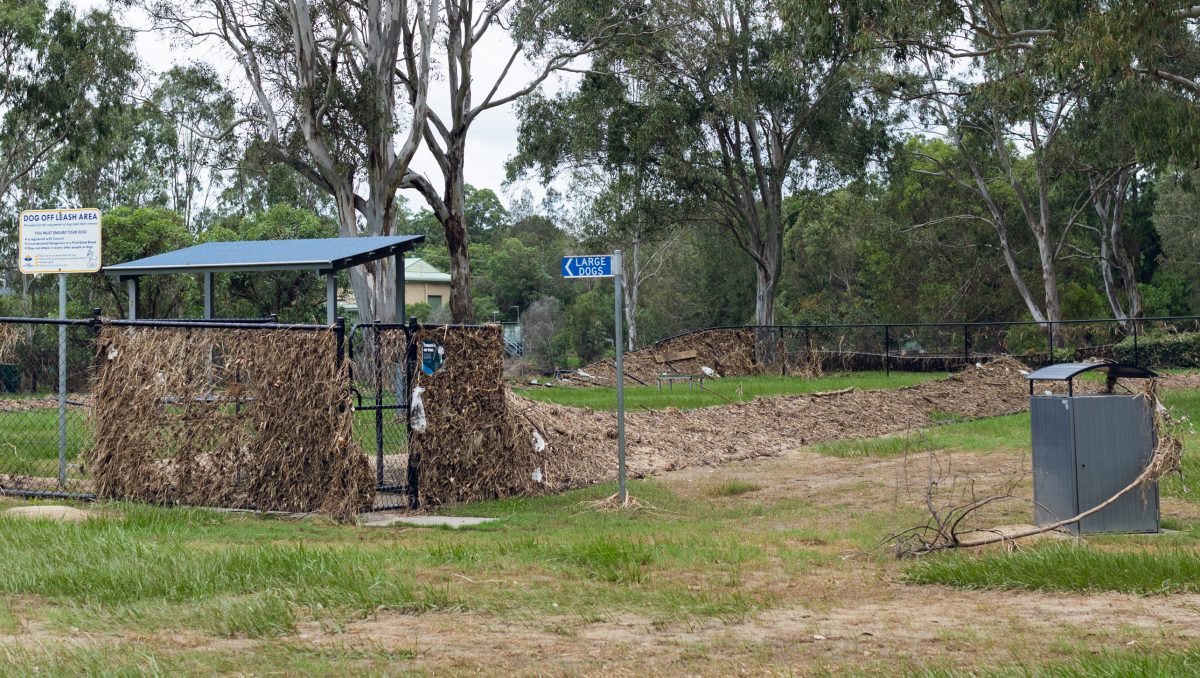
663	440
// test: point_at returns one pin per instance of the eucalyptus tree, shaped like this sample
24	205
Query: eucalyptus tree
197	111
744	108
1011	85
64	76
550	35
325	80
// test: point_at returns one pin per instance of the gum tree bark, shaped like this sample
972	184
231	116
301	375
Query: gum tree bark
324	79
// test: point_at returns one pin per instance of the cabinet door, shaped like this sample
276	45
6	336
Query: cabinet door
1053	459
1114	438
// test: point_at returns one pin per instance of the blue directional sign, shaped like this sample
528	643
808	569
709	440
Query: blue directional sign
600	266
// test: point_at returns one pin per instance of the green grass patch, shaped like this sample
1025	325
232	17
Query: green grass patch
1105	664
722	391
1009	432
733	488
1059	567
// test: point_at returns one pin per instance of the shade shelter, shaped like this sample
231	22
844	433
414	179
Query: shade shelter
323	256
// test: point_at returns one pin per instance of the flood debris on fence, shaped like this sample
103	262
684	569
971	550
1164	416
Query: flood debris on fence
250	418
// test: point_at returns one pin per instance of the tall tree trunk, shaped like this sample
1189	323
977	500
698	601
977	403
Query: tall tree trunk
1109	203
631	276
462	306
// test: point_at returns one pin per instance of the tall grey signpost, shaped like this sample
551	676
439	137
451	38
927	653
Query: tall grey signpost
60	241
608	266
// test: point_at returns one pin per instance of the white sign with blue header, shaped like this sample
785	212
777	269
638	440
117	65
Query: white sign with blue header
60	241
588	267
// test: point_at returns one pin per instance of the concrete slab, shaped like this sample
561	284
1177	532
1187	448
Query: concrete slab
385	519
51	512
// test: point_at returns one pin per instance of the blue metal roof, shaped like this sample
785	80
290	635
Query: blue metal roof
317	254
1067	371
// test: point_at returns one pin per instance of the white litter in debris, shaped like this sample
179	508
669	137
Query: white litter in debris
533	382
537	475
417	407
1048	392
978	364
583	374
539	443
1023	371
709	372
113	353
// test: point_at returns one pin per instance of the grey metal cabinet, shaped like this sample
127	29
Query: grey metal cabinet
1086	448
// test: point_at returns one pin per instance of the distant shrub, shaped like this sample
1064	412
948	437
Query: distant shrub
1161	350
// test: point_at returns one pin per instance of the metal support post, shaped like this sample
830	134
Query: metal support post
62	382
208	295
377	347
400	284
966	344
617	265
339	328
131	289
1136	361
330	297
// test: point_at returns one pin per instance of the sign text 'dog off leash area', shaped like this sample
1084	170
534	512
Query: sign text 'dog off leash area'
60	241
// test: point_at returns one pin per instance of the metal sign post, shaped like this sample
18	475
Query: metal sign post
609	266
62	381
60	241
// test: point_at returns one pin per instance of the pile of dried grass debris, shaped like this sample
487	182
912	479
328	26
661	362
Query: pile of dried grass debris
480	441
240	419
728	352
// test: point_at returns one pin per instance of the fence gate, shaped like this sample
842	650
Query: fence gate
383	359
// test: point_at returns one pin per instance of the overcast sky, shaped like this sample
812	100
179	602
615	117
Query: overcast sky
493	136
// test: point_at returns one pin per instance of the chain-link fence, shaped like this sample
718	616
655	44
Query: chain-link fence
1153	343
45	431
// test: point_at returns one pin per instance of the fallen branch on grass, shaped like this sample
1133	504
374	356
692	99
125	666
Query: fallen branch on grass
941	532
830	394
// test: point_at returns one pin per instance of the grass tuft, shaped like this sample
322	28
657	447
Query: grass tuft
733	488
1064	567
1108	664
612	560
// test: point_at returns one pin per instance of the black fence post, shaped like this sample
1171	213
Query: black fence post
377	343
1050	339
339	329
887	350
966	344
410	365
1136	359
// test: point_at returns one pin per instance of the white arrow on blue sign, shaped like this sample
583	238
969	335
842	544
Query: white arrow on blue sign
588	267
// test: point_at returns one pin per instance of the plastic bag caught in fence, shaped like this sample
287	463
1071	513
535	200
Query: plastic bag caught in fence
417	411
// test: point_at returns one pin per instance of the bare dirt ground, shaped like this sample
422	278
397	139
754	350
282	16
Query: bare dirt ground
855	615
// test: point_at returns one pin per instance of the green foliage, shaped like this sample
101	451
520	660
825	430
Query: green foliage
296	296
1160	350
133	234
588	324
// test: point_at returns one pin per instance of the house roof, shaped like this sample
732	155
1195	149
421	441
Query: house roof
323	255
419	270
